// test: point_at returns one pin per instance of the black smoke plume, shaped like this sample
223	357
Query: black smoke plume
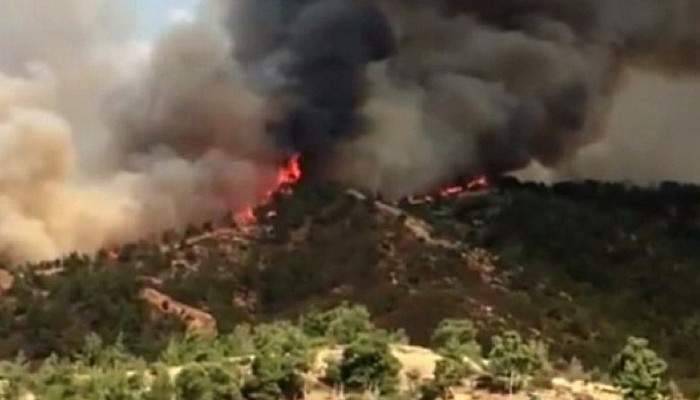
497	83
318	51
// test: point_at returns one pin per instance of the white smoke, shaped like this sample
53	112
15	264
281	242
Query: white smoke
651	136
564	89
104	139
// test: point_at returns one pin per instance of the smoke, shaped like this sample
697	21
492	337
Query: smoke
651	136
310	59
401	95
103	140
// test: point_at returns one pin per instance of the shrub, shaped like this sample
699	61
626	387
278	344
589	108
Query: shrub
191	348
638	371
114	384
206	383
342	324
162	387
282	354
332	374
13	378
449	373
274	377
456	338
95	353
283	338
369	365
512	362
55	380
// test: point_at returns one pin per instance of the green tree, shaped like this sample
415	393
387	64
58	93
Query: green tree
199	382
456	338
162	387
638	371
95	353
449	373
274	377
13	378
112	384
341	325
282	338
513	362
368	364
55	380
283	353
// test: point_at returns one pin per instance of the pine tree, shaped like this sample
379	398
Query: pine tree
513	362
638	371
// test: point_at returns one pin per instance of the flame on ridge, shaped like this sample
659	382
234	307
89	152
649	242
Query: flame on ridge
288	174
476	184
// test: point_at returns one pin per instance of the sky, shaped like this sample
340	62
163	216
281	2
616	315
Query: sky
155	15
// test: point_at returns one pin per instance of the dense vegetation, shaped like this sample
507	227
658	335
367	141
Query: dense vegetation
279	361
578	267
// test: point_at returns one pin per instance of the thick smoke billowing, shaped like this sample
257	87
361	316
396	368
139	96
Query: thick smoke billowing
104	139
488	86
310	59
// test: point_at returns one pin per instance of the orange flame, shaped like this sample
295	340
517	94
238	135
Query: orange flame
476	184
479	183
288	174
451	191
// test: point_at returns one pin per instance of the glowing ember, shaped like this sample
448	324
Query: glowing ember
246	216
288	174
450	191
479	183
476	184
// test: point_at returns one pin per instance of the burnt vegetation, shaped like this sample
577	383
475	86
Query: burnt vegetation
578	267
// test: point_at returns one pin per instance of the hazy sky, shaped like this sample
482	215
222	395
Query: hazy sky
154	15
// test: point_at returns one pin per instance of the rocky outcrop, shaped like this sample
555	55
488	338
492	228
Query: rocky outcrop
197	321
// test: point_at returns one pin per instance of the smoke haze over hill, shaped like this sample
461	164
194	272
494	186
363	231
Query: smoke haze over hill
103	141
411	93
101	146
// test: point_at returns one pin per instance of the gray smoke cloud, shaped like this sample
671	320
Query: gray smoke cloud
103	140
651	136
488	86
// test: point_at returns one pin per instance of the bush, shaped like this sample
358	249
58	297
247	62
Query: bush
449	373
274	377
95	353
162	387
57	379
206	383
638	371
341	325
283	338
191	348
456	338
512	362
369	365
113	384
13	378
282	354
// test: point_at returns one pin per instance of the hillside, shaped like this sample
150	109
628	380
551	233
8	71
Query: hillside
579	266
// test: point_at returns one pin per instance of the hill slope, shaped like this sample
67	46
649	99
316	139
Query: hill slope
581	266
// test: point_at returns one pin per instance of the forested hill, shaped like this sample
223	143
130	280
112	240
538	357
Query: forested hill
580	266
